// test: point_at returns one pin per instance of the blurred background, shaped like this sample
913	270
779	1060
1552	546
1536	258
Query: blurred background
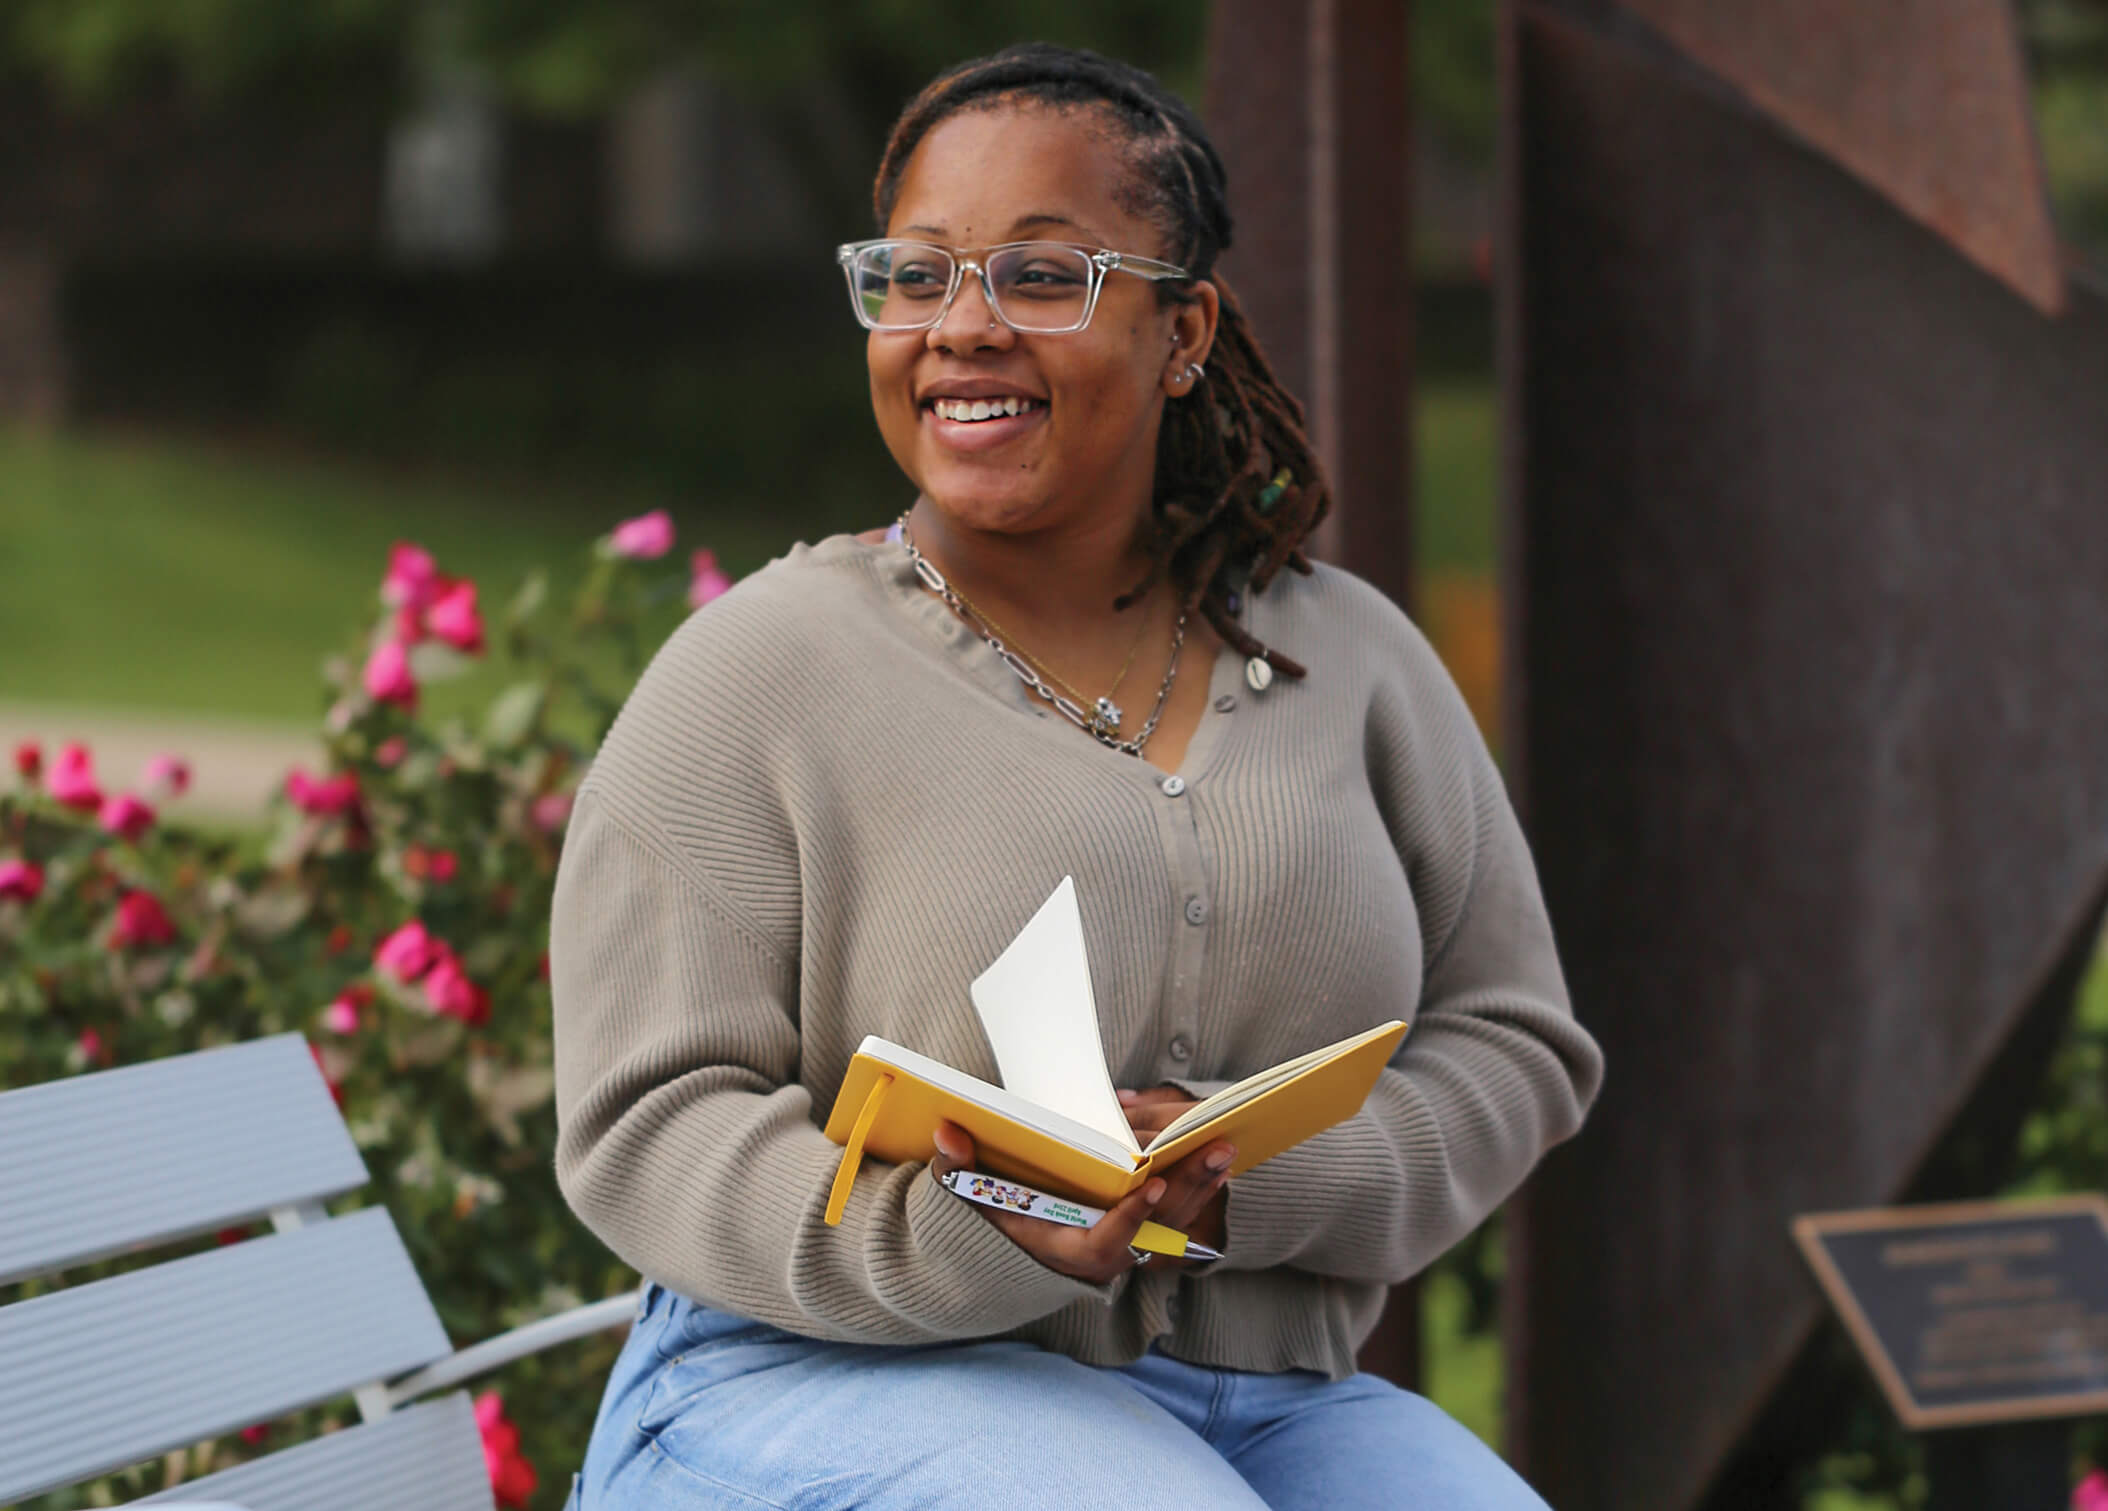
281	284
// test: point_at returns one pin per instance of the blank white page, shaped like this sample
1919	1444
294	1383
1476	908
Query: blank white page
1041	1018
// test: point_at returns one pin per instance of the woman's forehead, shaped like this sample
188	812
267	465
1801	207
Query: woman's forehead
1018	172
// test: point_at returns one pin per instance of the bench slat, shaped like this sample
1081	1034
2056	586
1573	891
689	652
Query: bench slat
125	1159
429	1458
109	1374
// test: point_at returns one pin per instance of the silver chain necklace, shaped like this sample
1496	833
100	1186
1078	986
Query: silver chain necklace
1093	725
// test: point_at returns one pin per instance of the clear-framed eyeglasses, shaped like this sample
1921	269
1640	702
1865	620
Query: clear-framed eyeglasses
1039	287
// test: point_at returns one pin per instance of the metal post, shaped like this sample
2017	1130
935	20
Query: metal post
1308	104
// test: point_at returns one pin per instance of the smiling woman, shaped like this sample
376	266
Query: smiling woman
843	787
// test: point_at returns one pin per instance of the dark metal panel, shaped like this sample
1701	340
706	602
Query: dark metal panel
1810	621
1925	100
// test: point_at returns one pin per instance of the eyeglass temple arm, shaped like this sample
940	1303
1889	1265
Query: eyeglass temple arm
1141	267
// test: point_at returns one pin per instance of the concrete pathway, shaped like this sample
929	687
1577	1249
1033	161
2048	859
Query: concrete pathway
235	765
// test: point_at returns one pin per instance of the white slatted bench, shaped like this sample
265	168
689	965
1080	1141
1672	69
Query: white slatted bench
99	1376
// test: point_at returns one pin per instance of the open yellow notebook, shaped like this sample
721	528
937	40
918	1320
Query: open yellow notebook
1056	1121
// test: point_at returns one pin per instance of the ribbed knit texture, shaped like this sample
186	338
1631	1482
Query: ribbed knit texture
828	806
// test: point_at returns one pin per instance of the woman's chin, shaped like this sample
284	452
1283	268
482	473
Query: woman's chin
1006	499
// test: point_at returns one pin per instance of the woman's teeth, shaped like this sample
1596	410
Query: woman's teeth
982	409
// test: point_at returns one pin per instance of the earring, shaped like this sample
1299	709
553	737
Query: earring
1197	370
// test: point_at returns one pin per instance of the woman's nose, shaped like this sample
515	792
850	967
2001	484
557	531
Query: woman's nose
970	323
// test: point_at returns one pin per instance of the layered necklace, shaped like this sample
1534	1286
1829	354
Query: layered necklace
1102	719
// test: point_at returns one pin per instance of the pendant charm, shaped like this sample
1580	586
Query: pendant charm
1257	674
1105	717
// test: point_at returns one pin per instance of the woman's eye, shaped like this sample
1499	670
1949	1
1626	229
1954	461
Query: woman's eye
916	279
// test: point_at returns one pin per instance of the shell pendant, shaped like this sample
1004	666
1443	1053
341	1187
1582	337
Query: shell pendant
1257	674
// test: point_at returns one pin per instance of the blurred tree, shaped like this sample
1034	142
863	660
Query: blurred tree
2067	50
829	74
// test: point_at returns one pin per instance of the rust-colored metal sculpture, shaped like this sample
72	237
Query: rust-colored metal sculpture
1925	100
1806	546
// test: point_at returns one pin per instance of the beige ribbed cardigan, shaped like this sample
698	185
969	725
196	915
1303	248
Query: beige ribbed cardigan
828	805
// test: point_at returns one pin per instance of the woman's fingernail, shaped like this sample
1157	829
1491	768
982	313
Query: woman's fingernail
1153	1192
1220	1159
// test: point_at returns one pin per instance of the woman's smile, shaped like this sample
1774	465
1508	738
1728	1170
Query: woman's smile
980	414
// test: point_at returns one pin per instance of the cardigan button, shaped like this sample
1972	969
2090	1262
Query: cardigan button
1173	785
1196	911
1225	703
1181	1048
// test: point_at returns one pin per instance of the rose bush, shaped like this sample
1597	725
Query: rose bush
396	913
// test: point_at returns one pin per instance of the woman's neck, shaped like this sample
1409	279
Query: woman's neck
1060	580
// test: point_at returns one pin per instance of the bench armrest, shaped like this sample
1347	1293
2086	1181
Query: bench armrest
492	1353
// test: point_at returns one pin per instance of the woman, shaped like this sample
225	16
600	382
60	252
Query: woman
841	789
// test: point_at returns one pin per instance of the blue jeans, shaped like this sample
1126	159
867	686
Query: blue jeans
708	1409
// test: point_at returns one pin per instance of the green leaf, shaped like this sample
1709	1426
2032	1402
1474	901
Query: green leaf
433	661
514	713
530	598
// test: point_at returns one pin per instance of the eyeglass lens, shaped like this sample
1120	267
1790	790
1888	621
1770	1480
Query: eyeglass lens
1038	286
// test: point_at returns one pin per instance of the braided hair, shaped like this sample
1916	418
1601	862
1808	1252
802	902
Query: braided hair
1225	515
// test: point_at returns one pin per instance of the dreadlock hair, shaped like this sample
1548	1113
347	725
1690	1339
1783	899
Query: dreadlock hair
1221	523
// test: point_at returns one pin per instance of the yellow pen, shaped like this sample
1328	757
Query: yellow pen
1010	1196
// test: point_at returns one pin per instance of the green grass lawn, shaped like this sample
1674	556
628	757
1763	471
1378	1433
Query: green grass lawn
1455	513
168	575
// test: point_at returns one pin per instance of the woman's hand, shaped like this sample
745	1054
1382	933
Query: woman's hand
1149	1113
1099	1253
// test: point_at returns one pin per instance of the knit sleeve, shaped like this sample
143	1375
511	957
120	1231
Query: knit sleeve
1495	1069
686	1143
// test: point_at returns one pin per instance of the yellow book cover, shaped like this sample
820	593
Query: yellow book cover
1056	1121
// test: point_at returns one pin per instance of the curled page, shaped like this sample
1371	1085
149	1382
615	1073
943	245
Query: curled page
1041	1018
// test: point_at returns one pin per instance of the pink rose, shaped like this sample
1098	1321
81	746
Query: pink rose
21	880
451	994
169	773
706	580
512	1478
409	952
337	794
29	759
125	816
142	923
644	538
550	811
341	1016
73	779
93	1050
2091	1493
390	752
453	618
412	576
387	676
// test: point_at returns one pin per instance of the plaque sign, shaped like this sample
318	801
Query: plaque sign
1975	1312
